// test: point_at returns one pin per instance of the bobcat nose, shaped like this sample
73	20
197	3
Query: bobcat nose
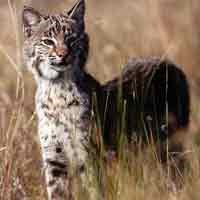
62	51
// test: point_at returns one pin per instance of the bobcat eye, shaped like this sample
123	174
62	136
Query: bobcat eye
69	39
48	42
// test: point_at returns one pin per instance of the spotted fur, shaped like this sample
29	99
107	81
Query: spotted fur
55	50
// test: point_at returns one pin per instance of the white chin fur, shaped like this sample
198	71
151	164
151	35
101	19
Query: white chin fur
47	72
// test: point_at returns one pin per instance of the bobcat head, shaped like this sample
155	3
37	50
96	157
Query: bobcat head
54	44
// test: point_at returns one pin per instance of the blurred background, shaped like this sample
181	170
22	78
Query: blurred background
118	30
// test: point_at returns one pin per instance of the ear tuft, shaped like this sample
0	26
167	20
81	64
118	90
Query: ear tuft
77	12
31	17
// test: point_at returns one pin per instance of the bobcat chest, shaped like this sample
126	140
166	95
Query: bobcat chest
62	105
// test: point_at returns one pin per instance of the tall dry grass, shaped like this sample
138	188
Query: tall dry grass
118	30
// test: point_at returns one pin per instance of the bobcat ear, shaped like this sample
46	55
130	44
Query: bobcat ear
77	12
31	17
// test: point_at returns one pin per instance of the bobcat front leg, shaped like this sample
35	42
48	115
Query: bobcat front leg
56	166
59	186
65	163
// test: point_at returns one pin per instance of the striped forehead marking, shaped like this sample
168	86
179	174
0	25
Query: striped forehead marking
58	24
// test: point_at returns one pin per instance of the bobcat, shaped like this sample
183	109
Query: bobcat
55	51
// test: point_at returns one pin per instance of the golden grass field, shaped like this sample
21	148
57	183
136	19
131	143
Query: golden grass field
119	29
